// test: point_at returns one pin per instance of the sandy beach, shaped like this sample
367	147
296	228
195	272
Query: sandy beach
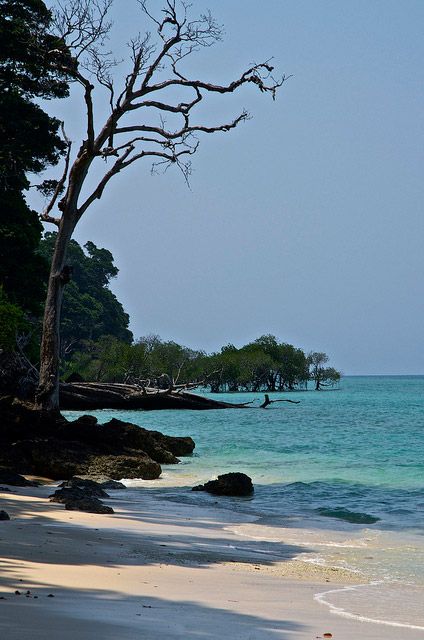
158	569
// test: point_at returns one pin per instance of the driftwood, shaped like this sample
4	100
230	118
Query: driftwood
88	396
268	402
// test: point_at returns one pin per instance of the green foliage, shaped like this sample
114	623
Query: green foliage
90	309
23	273
29	142
28	70
11	322
321	375
262	365
30	56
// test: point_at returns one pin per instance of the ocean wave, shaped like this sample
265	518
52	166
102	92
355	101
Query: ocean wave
322	598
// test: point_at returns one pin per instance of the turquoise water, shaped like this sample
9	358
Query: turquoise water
359	448
348	464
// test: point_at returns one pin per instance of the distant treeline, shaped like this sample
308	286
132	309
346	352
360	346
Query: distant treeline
262	365
96	344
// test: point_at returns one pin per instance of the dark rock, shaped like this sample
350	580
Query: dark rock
36	442
91	505
154	443
62	496
88	486
137	465
50	457
228	484
15	479
76	493
87	420
4	515
104	482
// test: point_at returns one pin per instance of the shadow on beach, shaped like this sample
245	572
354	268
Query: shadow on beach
93	614
32	539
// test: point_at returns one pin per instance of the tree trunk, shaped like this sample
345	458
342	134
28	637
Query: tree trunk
47	397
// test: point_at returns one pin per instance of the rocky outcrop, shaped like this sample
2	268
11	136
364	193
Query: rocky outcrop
4	515
7	476
78	494
136	465
33	442
64	495
228	484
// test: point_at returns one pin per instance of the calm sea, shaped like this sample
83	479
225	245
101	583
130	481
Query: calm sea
340	474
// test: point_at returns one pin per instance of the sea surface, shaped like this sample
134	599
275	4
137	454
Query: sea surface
341	474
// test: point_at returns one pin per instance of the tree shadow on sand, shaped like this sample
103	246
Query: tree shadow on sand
93	614
169	536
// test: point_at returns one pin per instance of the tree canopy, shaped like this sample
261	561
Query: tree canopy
248	368
90	308
30	141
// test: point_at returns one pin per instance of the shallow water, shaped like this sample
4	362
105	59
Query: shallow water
325	468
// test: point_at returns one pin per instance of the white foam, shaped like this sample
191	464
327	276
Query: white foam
320	597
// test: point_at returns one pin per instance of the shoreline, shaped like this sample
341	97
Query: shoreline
160	569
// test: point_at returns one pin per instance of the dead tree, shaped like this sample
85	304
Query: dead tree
155	88
268	402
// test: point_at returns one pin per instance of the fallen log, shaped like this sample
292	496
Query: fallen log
89	396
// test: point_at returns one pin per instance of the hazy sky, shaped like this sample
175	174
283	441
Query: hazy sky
307	221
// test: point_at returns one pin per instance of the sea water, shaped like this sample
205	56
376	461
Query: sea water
341	474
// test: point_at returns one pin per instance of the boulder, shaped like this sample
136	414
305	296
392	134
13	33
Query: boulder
89	486
75	493
62	496
4	515
135	465
104	482
159	447
91	505
15	479
228	484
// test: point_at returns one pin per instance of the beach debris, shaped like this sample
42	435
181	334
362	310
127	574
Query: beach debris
50	595
4	489
17	593
228	484
4	515
327	635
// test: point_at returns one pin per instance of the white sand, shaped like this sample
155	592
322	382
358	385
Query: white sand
158	570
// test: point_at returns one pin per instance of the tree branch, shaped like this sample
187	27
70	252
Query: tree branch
45	215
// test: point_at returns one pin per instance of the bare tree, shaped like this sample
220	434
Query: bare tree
155	88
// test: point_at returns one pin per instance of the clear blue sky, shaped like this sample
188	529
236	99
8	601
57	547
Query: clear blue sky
306	222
